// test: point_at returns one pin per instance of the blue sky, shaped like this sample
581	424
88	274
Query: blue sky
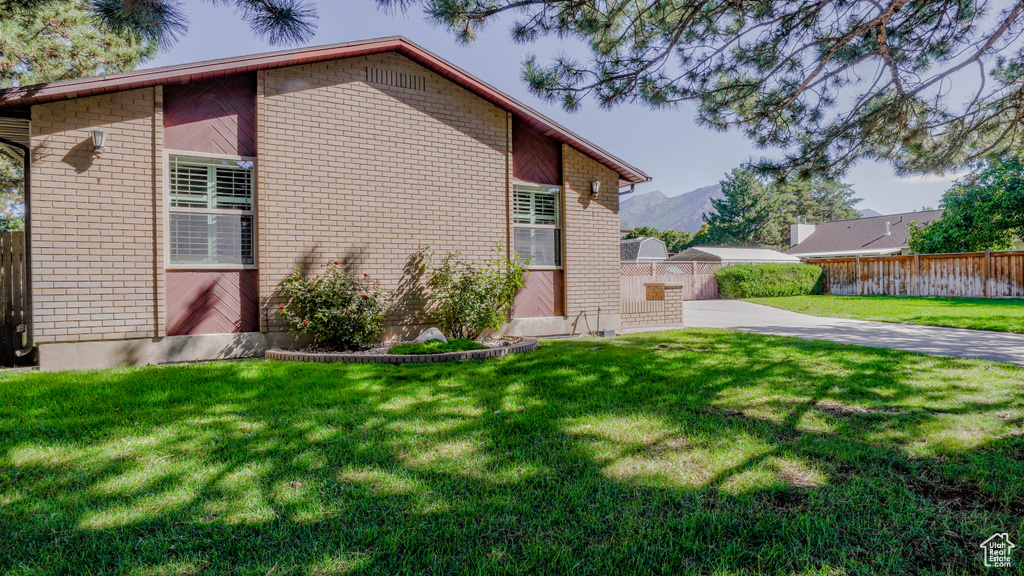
666	144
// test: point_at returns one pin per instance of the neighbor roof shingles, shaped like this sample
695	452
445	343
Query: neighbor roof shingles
868	234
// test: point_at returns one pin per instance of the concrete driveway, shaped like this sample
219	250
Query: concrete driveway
738	315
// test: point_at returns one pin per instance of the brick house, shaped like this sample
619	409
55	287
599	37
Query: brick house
164	206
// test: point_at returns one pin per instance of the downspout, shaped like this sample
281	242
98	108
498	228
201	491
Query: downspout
27	169
632	187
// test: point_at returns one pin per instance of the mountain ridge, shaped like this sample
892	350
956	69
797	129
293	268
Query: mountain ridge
655	209
683	212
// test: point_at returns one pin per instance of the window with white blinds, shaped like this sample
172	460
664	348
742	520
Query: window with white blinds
211	211
536	217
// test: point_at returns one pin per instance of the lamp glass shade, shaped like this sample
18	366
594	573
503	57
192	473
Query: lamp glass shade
595	187
99	139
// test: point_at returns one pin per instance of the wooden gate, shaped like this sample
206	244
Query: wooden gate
14	309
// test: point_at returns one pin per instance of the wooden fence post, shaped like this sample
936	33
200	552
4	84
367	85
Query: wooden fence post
917	274
860	282
986	271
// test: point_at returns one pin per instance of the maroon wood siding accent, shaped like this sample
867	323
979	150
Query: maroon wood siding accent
211	302
542	296
535	157
216	116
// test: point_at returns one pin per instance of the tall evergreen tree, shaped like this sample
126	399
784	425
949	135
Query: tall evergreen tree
750	213
59	40
163	21
820	200
55	40
816	200
825	82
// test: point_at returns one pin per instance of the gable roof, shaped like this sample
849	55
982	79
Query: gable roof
646	248
863	235
23	96
730	254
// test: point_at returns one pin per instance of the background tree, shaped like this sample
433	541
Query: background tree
925	86
701	237
816	200
55	40
164	21
61	40
675	240
985	211
749	213
820	200
12	193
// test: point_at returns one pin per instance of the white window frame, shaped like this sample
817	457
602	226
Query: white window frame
168	209
557	191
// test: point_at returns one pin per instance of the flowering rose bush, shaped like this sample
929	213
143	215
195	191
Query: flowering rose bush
339	309
467	298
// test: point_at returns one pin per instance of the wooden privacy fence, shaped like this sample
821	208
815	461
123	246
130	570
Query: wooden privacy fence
968	275
698	279
14	308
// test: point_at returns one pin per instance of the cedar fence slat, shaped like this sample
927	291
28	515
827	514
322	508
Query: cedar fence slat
14	310
968	275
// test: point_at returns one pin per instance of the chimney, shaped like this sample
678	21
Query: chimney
888	228
799	232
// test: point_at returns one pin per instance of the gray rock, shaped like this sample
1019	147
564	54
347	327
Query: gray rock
431	334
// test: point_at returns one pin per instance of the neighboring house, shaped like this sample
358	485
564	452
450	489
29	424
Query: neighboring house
870	236
642	250
727	255
165	206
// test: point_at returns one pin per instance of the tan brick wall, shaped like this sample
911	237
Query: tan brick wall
368	173
665	308
591	228
97	221
650	313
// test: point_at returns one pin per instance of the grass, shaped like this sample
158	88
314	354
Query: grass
436	347
974	313
686	452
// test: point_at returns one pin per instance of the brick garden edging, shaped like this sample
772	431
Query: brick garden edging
526	345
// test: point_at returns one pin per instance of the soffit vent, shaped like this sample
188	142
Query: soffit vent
397	79
15	130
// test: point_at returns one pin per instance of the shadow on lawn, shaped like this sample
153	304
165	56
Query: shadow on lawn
725	452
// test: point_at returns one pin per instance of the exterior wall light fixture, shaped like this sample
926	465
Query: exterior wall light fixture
595	187
99	140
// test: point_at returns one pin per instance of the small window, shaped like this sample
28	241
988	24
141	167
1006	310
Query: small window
537	221
211	211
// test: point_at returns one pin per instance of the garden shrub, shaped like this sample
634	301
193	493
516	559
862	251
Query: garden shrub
766	280
340	309
465	298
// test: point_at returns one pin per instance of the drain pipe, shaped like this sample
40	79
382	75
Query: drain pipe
632	187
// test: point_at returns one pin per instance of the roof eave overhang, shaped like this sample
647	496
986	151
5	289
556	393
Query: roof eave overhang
22	97
847	253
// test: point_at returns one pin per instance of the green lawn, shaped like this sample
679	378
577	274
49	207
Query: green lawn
974	313
688	452
436	346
